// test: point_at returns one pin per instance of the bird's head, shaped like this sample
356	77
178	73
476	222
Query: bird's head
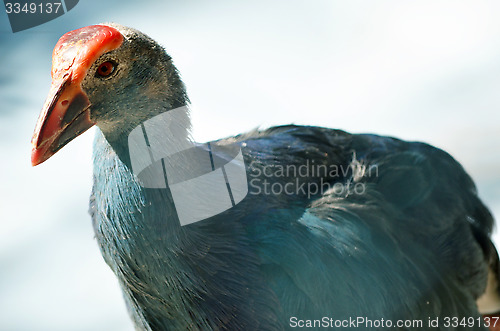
107	75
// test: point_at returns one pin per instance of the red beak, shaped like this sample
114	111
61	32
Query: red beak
66	113
64	116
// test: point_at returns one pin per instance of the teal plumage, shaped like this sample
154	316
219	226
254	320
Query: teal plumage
404	249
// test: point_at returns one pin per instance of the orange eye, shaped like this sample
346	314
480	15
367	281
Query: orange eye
105	69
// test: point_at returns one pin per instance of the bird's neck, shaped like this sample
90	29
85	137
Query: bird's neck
160	263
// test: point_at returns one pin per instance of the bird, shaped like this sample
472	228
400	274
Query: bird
328	230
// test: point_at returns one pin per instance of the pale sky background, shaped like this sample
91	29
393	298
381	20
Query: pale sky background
424	70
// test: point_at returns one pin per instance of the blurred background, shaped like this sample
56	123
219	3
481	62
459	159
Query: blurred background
426	70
